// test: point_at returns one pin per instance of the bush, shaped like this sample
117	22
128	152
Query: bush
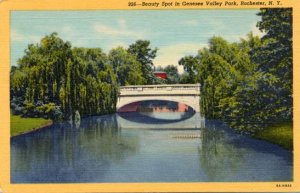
56	114
47	111
50	111
16	109
29	110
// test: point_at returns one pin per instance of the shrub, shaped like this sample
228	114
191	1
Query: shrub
50	111
29	110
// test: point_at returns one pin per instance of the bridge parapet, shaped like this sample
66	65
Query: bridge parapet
175	89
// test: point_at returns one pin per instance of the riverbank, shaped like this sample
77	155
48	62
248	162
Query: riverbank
280	134
19	125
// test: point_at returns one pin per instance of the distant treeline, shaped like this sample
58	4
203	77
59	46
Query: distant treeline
248	84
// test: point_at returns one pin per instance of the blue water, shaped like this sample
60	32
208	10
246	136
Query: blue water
121	148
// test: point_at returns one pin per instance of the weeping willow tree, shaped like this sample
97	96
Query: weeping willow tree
55	80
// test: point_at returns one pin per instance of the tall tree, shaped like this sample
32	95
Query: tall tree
145	55
126	66
190	65
54	80
275	59
46	62
222	69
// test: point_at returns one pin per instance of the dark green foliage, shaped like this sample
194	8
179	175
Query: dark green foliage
247	84
49	111
144	54
172	74
189	64
127	67
53	80
275	58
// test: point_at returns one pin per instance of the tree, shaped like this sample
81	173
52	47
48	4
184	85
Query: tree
54	80
44	63
126	66
172	74
275	59
144	55
190	65
95	84
225	72
248	84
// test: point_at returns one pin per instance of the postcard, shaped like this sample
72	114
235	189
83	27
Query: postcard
149	96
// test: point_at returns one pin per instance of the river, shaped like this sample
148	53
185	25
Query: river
145	147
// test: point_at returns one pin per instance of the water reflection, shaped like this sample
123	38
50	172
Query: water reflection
154	117
113	149
160	120
217	157
64	152
226	156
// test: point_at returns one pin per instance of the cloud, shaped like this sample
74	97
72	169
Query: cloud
122	23
255	30
15	36
171	54
67	29
121	30
191	23
19	37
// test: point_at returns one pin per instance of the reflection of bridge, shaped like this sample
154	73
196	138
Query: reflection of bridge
194	122
188	94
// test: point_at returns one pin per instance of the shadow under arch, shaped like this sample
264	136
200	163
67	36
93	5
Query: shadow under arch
168	111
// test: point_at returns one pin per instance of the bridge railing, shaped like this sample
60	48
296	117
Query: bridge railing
161	87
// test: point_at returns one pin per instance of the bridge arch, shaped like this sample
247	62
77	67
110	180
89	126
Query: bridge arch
183	100
186	94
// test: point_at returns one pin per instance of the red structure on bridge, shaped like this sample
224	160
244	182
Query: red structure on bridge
160	74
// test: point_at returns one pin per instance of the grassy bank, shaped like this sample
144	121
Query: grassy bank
281	134
19	125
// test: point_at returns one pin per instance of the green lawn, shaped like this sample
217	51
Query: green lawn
281	134
19	125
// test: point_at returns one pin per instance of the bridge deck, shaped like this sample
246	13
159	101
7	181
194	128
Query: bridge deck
161	90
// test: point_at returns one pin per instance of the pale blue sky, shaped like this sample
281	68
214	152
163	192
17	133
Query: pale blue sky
175	33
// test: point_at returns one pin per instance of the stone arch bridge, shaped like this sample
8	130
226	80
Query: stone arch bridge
188	94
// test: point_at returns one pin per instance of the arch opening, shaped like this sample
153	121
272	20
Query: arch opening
155	106
156	111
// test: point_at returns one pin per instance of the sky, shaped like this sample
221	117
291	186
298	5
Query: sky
175	33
